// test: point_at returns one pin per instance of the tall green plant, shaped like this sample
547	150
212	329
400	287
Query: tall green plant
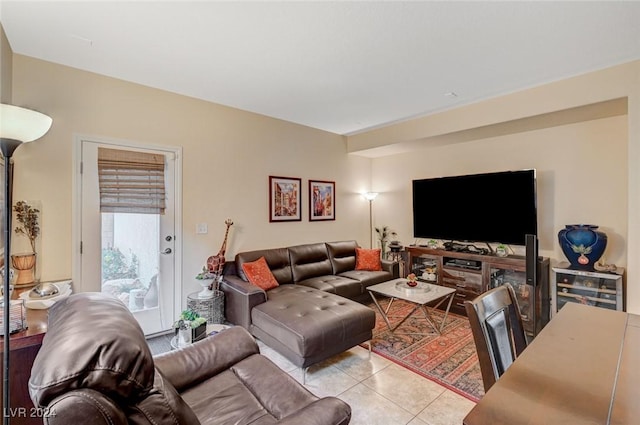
384	233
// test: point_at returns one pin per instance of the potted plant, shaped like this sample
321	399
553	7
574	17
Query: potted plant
27	217
206	279
198	324
501	250
384	233
25	263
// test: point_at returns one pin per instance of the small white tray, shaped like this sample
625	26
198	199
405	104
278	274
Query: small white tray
64	286
420	288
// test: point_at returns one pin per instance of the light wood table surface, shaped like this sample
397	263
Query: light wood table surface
583	368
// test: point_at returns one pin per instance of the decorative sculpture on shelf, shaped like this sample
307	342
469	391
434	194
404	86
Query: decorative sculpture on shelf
582	244
215	263
206	279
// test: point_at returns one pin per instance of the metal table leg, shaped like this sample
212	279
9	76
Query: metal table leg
438	330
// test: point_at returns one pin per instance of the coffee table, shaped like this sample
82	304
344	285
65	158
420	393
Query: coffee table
420	295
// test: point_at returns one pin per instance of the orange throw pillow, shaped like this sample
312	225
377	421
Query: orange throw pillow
368	259
259	274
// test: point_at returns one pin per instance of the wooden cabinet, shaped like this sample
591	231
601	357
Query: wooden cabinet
600	289
472	274
467	283
534	303
23	349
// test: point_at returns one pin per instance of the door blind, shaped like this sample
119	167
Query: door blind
131	182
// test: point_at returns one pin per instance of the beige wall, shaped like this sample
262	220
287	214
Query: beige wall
581	172
586	169
228	156
6	64
506	133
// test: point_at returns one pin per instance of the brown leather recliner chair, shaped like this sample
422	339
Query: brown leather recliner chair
95	367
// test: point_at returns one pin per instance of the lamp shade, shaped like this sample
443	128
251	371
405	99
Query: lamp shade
21	124
370	196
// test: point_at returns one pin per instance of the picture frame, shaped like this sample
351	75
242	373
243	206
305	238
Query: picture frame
322	200
284	199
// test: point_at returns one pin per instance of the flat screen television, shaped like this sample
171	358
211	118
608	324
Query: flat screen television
491	207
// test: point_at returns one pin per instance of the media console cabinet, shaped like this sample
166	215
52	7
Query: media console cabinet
472	274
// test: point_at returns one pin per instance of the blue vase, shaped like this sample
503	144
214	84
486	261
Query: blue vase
582	244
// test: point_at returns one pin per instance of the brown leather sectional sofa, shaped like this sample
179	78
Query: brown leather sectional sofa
314	313
95	367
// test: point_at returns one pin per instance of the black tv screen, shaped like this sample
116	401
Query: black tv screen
491	207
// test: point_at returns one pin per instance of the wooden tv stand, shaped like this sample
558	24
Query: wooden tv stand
472	274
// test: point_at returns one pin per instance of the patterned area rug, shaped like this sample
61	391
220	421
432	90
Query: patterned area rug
449	359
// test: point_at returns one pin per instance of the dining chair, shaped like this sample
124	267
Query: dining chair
497	330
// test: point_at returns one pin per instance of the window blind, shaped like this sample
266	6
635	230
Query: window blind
131	182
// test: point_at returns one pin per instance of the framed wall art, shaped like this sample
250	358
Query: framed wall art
322	203
284	199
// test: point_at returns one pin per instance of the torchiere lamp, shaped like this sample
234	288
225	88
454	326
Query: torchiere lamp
17	125
370	196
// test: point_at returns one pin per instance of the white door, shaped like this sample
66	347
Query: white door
130	255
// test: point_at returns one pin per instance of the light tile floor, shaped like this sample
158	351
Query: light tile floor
379	391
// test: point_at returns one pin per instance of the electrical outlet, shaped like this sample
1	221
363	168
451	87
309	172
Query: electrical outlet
201	229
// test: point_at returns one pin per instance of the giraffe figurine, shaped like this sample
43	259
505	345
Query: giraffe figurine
215	263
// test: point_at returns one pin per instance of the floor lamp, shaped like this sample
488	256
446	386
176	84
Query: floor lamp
17	126
370	196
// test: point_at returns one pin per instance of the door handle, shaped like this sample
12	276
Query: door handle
166	251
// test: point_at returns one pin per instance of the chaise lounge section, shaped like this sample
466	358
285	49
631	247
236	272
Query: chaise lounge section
313	313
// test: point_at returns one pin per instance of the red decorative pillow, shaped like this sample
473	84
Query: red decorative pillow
368	259
259	274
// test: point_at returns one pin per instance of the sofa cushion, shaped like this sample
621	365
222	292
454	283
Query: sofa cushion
342	255
368	259
339	285
309	322
259	274
276	258
368	278
244	394
163	405
310	260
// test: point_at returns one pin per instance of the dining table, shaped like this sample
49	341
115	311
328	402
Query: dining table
582	368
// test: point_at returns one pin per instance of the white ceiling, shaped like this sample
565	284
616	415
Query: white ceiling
344	67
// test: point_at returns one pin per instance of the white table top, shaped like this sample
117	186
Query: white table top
422	294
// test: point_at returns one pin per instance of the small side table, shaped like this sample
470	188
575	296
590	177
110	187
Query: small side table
211	309
396	254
